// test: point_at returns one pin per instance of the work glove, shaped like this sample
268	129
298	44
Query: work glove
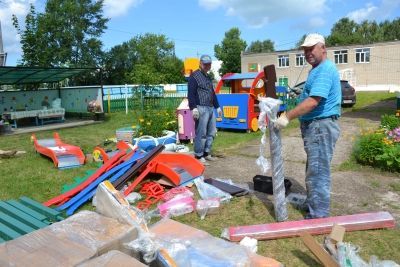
281	122
196	114
294	92
219	112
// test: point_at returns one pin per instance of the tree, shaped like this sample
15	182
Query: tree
261	46
390	30
229	51
144	59
300	42
66	34
344	32
155	61
369	32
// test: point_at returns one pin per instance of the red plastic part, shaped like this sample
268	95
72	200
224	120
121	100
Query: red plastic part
66	150
67	195
355	222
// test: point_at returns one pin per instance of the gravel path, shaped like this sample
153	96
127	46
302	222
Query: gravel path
352	191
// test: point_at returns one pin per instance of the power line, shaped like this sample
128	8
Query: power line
177	39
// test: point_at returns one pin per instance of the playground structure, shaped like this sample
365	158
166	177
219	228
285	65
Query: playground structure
63	155
237	95
189	66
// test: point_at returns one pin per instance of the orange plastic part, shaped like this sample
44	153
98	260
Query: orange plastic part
65	149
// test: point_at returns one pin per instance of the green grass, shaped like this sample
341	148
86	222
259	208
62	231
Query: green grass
35	176
366	100
395	186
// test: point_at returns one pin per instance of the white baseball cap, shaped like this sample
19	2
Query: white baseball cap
313	39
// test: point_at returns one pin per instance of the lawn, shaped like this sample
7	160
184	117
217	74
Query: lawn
36	177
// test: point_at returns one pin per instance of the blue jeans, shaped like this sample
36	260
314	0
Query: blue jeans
319	137
205	129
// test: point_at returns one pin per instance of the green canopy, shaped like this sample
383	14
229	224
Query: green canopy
32	75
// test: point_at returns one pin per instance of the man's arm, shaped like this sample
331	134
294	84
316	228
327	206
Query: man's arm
192	93
304	107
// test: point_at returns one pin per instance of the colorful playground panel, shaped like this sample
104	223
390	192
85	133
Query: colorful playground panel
240	103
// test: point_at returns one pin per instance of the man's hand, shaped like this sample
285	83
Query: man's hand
219	112
294	92
196	114
281	122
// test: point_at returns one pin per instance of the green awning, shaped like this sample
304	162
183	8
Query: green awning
34	75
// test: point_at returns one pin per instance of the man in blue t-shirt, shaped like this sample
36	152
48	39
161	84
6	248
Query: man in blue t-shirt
318	112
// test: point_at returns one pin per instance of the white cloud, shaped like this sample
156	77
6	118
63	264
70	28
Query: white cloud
11	40
316	22
113	8
363	13
375	12
257	13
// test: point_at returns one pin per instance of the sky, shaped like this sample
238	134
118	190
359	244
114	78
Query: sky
195	26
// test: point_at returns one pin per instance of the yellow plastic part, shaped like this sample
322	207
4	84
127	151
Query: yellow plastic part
254	124
231	112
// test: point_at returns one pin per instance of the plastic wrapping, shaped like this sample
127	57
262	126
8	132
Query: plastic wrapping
111	259
348	257
205	251
181	190
94	231
249	243
202	244
177	206
270	107
133	197
112	203
208	191
207	206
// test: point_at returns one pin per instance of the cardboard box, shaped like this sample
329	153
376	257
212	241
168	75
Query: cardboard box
42	248
168	229
94	231
318	250
113	258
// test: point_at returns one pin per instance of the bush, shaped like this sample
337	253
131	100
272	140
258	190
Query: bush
390	122
380	149
367	146
154	122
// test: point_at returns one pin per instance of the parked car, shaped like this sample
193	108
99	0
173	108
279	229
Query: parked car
348	93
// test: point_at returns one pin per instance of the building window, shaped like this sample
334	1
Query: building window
300	60
283	61
362	55
340	56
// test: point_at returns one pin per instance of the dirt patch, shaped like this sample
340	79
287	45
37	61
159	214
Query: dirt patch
352	192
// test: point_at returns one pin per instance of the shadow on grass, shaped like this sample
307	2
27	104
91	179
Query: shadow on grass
268	199
306	258
373	111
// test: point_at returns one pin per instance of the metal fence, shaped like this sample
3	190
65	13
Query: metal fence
139	97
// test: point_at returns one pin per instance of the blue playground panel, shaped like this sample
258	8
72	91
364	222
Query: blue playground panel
237	107
235	111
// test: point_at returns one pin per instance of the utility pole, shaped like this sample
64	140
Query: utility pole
3	56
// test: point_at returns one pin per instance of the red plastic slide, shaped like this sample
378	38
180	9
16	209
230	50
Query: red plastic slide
62	154
115	160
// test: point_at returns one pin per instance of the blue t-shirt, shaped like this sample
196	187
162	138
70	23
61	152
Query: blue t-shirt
323	81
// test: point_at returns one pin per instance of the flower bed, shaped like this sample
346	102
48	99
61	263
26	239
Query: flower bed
380	148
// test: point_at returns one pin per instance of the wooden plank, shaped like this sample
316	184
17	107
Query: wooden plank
39	207
363	221
318	251
27	210
6	233
21	216
15	224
